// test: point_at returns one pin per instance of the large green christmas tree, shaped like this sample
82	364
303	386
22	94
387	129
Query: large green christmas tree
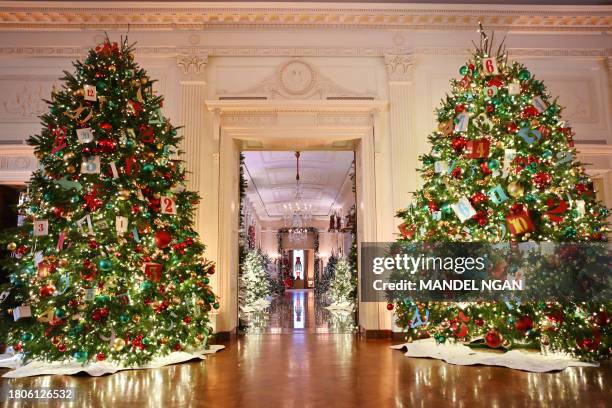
503	168
107	264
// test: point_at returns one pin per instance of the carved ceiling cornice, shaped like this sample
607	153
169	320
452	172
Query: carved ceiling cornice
185	16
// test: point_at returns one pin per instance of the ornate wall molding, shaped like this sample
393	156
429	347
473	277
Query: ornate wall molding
193	66
297	79
222	51
399	67
151	16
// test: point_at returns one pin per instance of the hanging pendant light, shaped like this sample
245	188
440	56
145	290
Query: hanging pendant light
297	214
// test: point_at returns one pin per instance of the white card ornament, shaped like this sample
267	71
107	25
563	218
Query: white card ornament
514	88
121	224
462	122
85	135
131	133
440	166
21	312
91	165
38	257
580	207
539	104
41	228
4	295
157	119
86	220
490	91
436	215
168	205
90	93
113	167
509	155
463	209
21	220
90	294
489	66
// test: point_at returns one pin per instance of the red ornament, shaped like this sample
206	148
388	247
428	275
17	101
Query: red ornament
484	167
556	316
186	319
529	111
490	108
57	212
511	127
556	209
390	306
459	108
542	179
162	239
481	217
46	290
134	107
519	222
177	347
478	197
406	233
523	324
493	339
479	322
61	348
92	202
18	347
457	172
459	143
100	356
104	312
106	146
602	318
581	188
433	207
495	82
107	127
146	134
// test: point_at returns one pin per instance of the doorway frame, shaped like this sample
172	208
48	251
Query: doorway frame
289	125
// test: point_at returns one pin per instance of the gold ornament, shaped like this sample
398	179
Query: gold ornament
500	145
200	302
163	340
136	318
112	68
56	340
200	337
71	169
11	246
160	146
118	344
124	194
176	300
515	189
68	156
64	263
79	92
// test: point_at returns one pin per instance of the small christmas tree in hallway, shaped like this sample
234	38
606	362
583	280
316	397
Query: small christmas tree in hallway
254	282
107	265
503	168
342	286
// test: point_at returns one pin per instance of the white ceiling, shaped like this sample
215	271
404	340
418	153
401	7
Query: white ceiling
271	178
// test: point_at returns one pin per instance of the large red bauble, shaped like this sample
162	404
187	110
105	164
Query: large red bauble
107	127
484	167
493	339
459	143
162	239
46	290
100	356
389	306
603	318
523	324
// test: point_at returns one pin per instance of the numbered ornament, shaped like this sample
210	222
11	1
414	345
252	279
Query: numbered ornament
478	149
529	135
121	224
41	228
514	88
461	122
441	167
497	194
85	135
519	222
21	312
168	205
153	271
463	209
489	66
91	165
90	92
539	104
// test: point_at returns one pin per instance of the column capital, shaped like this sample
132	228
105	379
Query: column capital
399	67
192	66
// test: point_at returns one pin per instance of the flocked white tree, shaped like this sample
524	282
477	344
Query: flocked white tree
341	289
254	282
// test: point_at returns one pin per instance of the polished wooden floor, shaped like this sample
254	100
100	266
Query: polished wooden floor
329	370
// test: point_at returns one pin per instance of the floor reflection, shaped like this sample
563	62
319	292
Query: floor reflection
298	310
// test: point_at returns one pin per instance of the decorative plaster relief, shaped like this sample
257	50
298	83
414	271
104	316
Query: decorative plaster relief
298	79
17	163
399	67
577	96
22	100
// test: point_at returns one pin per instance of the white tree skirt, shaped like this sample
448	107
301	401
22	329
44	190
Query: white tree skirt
459	354
256	306
36	367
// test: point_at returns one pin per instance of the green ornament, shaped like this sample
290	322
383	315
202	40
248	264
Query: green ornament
441	339
27	336
210	298
112	104
101	299
216	305
511	320
496	101
53	110
148	168
80	356
105	264
173	132
206	281
146	341
446	208
569	232
124	318
547	154
47	196
129	143
75	199
475	74
531	168
524	75
60	313
100	86
464	70
530	198
493	164
146	285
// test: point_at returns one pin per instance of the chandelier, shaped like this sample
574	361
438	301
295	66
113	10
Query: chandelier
297	214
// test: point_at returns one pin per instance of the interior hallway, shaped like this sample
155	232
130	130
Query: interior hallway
330	370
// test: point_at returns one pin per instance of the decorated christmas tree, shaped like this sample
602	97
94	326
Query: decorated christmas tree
254	282
322	284
106	265
342	286
503	168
